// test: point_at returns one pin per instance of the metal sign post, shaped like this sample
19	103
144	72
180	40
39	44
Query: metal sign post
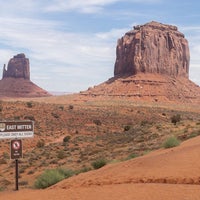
16	175
16	153
15	130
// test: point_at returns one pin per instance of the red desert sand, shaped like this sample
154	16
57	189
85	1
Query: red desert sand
164	174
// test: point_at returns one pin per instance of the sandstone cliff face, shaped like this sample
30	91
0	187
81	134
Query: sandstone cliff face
18	67
152	64
153	48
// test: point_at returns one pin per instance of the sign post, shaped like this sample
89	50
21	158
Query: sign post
16	130
16	153
16	175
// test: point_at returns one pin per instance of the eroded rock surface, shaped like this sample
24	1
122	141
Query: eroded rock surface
153	48
18	67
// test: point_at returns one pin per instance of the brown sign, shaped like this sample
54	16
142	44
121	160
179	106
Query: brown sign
16	129
16	149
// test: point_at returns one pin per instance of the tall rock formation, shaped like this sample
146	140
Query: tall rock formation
152	64
16	79
153	48
18	67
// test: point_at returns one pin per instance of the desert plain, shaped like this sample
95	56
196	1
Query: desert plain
127	133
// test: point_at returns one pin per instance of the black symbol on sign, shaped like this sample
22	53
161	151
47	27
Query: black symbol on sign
16	145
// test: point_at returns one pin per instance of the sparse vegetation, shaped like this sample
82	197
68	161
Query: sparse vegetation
127	128
40	143
75	139
29	104
61	107
176	118
55	115
99	163
66	138
30	117
61	154
71	107
51	177
171	142
97	122
133	155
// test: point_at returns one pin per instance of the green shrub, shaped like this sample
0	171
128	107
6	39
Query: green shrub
175	118
171	142
99	163
51	177
48	178
133	155
83	170
66	172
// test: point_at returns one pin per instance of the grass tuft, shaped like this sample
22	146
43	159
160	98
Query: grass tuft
171	142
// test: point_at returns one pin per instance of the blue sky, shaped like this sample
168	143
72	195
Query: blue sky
71	43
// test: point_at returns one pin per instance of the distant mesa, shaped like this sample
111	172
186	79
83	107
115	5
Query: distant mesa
152	63
16	79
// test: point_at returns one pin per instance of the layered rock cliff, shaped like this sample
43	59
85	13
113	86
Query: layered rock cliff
152	64
153	48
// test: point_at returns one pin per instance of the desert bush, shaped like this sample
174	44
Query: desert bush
99	163
66	172
6	155
97	122
30	117
194	134
71	107
127	128
16	117
40	143
29	104
61	107
66	138
31	172
48	178
55	115
1	108
51	177
171	142
23	183
83	170
61	154
133	155
175	118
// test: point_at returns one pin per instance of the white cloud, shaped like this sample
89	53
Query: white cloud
55	53
192	34
87	6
